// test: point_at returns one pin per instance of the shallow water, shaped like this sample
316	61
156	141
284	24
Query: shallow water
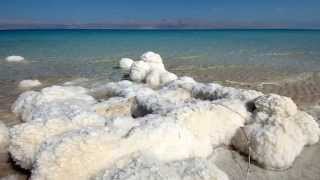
90	53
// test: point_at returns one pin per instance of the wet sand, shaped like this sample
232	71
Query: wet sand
303	88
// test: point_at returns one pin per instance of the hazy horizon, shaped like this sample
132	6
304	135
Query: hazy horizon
292	14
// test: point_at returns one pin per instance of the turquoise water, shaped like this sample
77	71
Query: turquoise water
89	53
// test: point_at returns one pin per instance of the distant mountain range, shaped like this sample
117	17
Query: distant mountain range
163	24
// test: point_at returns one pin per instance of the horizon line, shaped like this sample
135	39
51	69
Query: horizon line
160	28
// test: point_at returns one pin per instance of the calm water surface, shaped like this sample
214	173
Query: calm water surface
88	53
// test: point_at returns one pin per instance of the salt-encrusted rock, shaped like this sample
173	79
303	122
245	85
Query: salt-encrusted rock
15	58
27	102
120	126
25	84
139	168
162	102
153	78
125	64
185	82
277	132
166	77
65	136
115	107
4	137
156	78
139	71
26	138
78	155
68	109
276	105
206	91
196	128
214	91
150	70
151	57
11	177
117	89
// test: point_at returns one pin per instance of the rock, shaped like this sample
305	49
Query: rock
153	78
139	71
115	107
26	84
125	64
4	137
139	168
166	77
28	101
26	138
276	133
15	59
151	57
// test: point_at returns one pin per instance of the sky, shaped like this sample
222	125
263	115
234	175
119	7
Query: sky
291	12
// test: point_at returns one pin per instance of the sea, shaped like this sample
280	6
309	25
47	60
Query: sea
95	53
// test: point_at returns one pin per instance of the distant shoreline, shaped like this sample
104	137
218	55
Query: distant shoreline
165	29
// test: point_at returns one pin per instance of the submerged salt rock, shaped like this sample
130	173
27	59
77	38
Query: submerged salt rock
15	58
25	84
26	138
139	71
125	64
277	132
4	137
139	168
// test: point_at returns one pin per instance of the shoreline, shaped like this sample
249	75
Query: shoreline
303	88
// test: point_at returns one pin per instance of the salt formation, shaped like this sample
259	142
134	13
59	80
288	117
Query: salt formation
4	137
125	64
115	107
26	138
15	58
11	177
25	84
70	132
149	69
277	133
141	167
29	102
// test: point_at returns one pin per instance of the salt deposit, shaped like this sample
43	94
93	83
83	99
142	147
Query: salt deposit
277	132
15	58
125	64
25	84
172	122
141	167
4	137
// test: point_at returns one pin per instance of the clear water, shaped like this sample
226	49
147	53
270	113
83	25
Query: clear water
89	53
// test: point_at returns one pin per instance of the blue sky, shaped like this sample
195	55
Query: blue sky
295	12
